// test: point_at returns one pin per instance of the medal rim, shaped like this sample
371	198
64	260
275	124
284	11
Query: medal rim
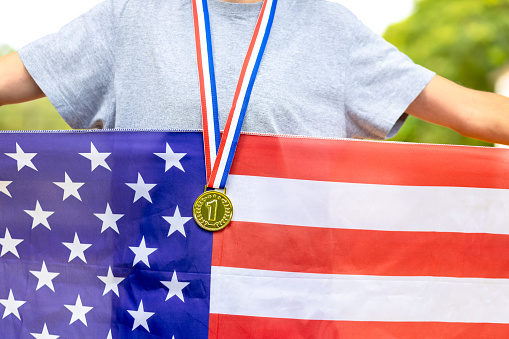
195	209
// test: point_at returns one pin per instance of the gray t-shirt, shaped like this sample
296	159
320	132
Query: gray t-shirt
132	64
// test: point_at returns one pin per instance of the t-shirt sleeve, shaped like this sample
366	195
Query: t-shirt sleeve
381	82
74	68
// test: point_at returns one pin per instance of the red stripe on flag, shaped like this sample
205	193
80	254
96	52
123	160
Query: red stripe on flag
229	326
372	162
361	252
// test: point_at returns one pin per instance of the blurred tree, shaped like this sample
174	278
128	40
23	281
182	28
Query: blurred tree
462	40
34	115
4	49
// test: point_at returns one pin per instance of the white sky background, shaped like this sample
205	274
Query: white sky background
22	21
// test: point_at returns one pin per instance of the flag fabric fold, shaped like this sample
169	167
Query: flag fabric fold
329	239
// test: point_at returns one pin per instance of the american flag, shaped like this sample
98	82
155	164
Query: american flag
330	239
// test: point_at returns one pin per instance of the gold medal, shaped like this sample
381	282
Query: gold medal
213	211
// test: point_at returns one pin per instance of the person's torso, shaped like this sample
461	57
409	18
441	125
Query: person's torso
300	84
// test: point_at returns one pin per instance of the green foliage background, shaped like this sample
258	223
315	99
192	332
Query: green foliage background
465	41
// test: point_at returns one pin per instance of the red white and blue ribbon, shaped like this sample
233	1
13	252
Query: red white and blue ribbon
219	152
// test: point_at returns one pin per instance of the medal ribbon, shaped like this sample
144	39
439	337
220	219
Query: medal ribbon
219	151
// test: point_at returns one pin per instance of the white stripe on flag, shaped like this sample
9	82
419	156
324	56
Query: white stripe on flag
237	291
369	207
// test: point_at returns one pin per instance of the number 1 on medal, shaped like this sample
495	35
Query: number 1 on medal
212	216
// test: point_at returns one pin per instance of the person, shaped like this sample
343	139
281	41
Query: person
132	64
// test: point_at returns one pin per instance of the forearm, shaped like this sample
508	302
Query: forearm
489	119
475	114
16	84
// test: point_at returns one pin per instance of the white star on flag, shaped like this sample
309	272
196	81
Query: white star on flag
177	222
3	188
44	334
70	187
141	189
77	248
140	317
175	287
79	311
23	159
111	282
109	335
9	244
96	158
142	252
44	277
171	158
109	219
11	305
39	216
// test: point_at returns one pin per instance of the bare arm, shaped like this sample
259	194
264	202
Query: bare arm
475	114
16	84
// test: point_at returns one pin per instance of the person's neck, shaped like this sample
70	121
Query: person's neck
243	1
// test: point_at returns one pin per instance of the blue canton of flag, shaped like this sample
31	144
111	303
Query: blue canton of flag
97	237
